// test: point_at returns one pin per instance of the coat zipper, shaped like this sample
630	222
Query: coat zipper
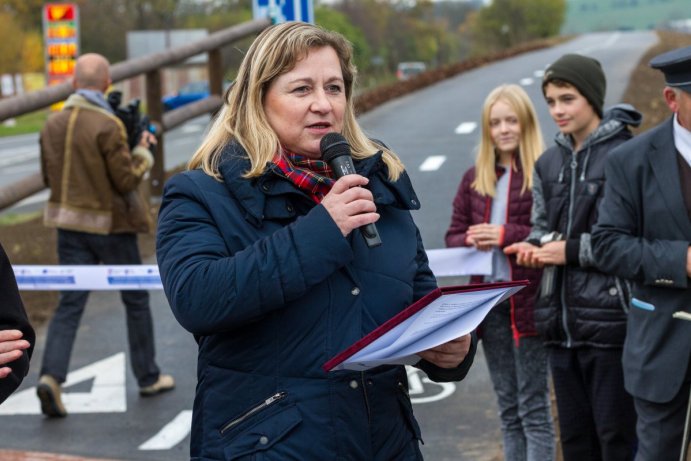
252	411
572	193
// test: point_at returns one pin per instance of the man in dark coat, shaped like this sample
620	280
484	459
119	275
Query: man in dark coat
17	337
643	234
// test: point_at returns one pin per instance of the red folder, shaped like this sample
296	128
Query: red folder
411	310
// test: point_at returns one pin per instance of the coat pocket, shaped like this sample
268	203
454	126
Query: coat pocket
255	434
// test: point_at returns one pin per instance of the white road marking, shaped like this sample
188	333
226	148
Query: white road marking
36	198
20	169
526	81
432	163
416	387
107	393
172	433
191	128
465	128
19	155
539	73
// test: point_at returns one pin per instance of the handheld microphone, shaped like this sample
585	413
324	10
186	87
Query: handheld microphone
336	152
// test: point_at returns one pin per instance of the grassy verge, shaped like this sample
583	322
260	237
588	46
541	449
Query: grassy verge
27	123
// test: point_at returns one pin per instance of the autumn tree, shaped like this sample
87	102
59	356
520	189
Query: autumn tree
331	19
11	40
505	23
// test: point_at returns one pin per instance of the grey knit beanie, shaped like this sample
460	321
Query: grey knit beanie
582	72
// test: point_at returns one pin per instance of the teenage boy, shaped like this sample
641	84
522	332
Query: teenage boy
580	311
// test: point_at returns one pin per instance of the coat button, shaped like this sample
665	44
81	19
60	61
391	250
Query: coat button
353	384
289	207
265	187
355	291
263	440
613	291
413	202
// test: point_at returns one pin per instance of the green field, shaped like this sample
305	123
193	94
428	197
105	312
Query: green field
27	123
596	15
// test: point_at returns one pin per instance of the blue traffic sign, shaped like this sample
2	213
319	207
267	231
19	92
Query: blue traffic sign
284	10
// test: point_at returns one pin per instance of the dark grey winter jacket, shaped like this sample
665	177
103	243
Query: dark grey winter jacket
587	307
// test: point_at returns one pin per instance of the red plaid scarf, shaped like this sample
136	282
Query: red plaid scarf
310	175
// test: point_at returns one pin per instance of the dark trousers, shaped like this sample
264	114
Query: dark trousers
76	248
661	425
597	418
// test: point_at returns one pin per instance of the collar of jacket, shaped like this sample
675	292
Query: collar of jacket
253	194
616	119
77	100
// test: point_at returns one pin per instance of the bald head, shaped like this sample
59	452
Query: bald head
92	71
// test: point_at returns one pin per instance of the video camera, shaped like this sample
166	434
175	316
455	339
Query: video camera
130	115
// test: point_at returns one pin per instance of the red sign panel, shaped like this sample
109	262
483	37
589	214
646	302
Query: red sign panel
61	11
61	40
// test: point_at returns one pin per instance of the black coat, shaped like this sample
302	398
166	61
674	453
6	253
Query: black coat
265	280
643	234
13	317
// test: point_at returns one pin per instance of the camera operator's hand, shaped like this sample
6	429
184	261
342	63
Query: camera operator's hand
147	139
141	150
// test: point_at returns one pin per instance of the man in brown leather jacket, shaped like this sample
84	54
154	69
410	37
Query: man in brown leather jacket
95	205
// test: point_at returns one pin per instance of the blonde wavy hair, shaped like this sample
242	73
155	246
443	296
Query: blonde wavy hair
530	146
242	118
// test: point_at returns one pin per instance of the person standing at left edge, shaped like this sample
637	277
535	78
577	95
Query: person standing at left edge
644	234
94	203
17	337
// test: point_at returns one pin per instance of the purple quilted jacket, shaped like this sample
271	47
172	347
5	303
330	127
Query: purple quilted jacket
470	207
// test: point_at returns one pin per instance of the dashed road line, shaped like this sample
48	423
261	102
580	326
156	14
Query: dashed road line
465	128
433	163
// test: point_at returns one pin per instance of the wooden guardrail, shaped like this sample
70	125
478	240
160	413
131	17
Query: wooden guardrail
151	66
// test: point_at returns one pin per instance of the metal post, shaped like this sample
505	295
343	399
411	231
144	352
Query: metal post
154	108
687	423
687	432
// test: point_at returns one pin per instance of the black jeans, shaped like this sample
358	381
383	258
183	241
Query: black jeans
76	248
597	419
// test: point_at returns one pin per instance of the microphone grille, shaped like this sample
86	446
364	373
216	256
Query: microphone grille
333	145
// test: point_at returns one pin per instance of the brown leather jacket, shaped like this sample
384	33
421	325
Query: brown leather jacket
92	175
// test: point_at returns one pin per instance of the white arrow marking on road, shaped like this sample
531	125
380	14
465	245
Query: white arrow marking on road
526	81
432	163
416	386
465	128
107	393
172	433
539	73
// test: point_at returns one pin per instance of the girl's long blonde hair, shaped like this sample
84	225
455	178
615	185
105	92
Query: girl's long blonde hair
530	146
242	118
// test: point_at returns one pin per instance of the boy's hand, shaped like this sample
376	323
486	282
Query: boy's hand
524	252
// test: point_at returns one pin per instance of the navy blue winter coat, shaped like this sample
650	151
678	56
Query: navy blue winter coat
271	289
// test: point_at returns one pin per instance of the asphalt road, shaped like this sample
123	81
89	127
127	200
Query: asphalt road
432	130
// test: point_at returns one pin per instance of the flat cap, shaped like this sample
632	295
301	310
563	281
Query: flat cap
676	65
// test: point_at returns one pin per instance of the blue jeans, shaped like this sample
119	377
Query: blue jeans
83	248
519	377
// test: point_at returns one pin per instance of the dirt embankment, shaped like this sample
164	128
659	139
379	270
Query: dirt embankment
31	243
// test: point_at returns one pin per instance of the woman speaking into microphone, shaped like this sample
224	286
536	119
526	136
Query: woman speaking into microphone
260	262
